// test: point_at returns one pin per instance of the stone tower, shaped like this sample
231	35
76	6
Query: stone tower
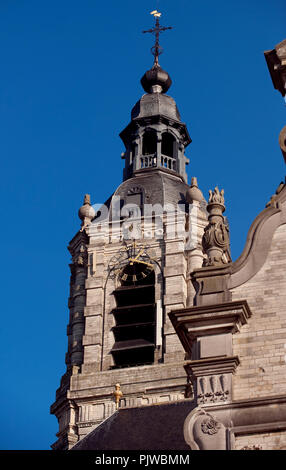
130	266
159	313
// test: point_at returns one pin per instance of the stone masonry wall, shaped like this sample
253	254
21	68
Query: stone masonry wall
92	389
266	441
261	344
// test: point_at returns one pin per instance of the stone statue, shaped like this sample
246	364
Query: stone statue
216	235
117	395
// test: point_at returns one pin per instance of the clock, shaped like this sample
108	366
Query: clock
132	264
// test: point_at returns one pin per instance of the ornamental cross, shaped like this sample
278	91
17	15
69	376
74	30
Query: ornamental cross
156	50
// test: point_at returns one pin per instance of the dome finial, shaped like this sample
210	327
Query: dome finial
156	80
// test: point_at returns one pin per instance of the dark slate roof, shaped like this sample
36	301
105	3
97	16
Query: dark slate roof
160	186
150	427
155	104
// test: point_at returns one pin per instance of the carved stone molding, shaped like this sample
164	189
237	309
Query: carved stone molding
251	416
212	379
212	366
194	322
203	431
210	426
134	190
206	335
215	388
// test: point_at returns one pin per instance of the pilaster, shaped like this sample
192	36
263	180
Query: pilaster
206	334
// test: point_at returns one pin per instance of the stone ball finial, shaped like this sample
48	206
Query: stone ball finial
86	213
194	193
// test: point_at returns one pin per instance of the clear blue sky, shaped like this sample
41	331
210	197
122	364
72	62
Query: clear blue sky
70	73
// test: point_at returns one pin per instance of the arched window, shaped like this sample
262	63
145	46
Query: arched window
133	152
135	313
168	145
149	143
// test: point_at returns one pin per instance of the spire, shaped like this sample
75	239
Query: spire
157	50
156	137
156	80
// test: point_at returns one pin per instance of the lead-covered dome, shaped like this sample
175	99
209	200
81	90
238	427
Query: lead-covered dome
154	77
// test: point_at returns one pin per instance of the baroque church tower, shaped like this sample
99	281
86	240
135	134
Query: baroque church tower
171	345
130	266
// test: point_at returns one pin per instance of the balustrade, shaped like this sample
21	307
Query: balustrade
148	161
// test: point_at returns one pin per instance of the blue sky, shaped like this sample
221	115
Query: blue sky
70	74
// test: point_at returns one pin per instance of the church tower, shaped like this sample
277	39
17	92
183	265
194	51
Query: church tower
159	313
130	266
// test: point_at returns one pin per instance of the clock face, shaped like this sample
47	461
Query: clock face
132	264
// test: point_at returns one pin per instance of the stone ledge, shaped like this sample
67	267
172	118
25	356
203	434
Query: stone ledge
94	340
260	428
254	415
212	366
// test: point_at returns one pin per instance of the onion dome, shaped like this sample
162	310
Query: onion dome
86	213
194	193
156	80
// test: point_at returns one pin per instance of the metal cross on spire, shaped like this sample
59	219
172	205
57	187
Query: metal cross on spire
156	50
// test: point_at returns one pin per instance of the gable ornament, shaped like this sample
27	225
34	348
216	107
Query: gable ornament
215	240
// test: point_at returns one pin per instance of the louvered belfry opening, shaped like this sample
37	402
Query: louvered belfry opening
134	329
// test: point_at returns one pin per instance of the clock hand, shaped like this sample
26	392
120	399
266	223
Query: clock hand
139	254
134	260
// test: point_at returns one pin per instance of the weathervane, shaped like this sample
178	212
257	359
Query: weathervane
156	50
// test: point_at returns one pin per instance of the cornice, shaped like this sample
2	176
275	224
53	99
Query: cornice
156	119
212	366
252	416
